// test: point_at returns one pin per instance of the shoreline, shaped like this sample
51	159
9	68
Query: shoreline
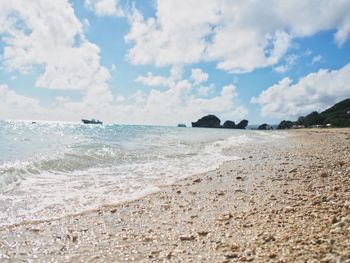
259	209
133	196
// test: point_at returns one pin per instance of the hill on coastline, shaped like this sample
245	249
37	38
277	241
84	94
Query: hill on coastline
336	116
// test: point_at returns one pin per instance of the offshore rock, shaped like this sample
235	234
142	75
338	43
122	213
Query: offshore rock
242	125
229	125
209	121
265	126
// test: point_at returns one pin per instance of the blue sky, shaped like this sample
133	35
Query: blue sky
163	62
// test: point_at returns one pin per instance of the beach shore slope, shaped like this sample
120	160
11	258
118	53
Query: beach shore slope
279	203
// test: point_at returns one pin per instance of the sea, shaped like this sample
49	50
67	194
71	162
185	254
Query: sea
52	169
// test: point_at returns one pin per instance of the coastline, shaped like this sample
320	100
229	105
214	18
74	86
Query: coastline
287	203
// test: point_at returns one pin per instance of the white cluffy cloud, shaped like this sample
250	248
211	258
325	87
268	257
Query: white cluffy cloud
156	80
290	61
180	101
316	91
316	59
177	104
104	7
152	80
47	35
15	106
198	76
239	35
184	99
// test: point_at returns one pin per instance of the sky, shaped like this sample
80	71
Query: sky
164	62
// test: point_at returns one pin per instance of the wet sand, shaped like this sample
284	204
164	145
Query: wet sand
280	203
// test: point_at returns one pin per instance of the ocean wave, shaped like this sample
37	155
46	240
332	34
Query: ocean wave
66	169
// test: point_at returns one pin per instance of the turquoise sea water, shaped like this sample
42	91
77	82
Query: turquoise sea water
49	169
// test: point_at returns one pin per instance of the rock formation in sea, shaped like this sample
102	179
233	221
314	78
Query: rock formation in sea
242	125
265	126
229	125
209	121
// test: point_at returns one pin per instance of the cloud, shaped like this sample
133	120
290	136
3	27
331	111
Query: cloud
168	39
316	59
199	76
152	80
15	106
86	24
177	104
180	101
120	98
54	42
183	99
206	90
104	7
316	91
290	61
239	35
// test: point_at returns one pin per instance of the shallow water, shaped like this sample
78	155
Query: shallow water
50	169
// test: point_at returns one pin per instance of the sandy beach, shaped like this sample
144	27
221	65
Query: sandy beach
279	203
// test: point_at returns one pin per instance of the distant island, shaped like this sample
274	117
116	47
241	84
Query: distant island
336	116
212	121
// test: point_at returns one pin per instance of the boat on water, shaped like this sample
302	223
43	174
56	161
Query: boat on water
92	121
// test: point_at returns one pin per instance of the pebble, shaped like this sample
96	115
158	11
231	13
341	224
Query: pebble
225	217
202	233
231	255
187	238
293	170
324	174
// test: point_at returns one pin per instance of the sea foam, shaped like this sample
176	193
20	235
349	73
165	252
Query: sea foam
48	170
